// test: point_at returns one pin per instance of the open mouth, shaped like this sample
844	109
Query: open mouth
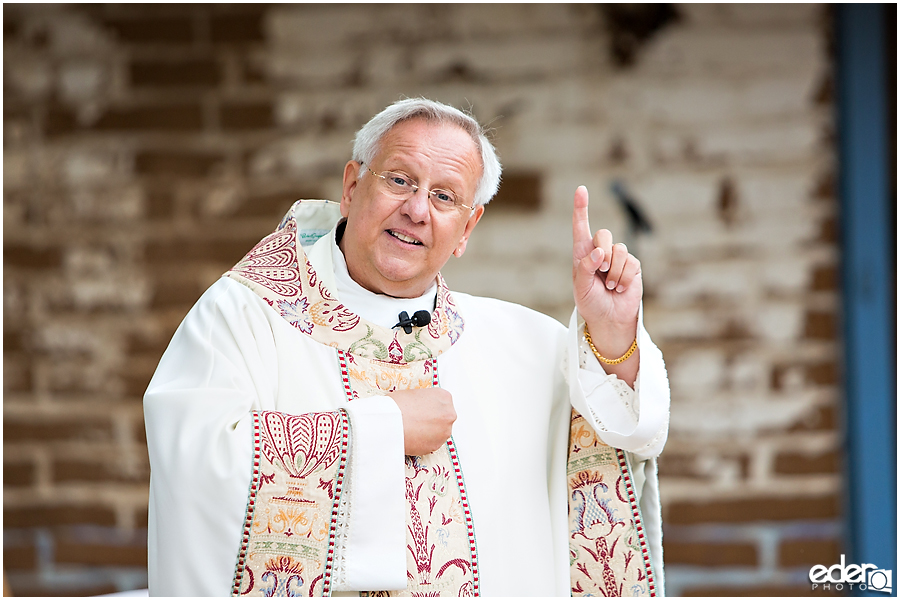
404	238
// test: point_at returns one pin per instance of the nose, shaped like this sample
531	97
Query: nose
417	207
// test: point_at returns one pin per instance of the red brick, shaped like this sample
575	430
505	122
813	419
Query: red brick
519	191
241	28
140	432
748	510
148	29
56	430
172	292
825	278
803	553
828	230
179	117
820	325
17	376
823	417
100	555
27	257
236	117
825	373
273	205
173	163
70	470
709	554
12	340
18	474
19	558
801	464
60	515
59	120
193	73
159	204
226	251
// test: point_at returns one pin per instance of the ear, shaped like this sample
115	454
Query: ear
351	178
470	225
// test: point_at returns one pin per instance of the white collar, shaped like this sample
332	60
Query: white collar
377	308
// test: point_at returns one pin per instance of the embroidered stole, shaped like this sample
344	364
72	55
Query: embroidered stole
288	542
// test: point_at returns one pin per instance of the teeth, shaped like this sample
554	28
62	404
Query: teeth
405	238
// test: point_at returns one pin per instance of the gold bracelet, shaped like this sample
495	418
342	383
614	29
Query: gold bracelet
603	359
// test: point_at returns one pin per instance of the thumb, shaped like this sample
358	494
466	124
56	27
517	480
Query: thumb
583	273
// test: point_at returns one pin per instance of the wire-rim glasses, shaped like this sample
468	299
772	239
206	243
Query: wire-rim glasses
402	187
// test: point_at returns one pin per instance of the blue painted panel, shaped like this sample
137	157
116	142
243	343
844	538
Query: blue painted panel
868	282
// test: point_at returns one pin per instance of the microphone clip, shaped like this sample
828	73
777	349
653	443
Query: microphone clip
420	318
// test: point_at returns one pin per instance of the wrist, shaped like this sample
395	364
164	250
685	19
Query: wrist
611	342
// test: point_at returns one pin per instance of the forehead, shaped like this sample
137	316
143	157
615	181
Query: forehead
438	147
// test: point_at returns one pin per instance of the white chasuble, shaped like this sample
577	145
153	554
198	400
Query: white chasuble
273	385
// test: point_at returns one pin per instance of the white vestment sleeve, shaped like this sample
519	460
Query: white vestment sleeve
222	364
372	546
637	422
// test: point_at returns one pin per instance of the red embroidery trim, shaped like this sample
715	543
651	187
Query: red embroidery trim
345	374
338	488
645	552
251	505
470	526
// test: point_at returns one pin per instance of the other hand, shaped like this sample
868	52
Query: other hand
428	417
606	282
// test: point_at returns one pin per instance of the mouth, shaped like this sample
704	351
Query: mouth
404	238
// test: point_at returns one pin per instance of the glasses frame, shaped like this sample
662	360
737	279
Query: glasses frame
416	187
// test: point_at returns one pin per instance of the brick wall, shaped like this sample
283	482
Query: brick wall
147	147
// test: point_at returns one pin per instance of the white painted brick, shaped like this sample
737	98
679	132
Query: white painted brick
313	26
85	167
721	52
778	321
120	203
766	144
724	415
311	67
666	323
30	76
679	193
698	369
749	15
82	80
702	100
480	20
748	372
120	289
509	58
764	192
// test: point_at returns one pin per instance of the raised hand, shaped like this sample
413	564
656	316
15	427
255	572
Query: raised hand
607	285
428	417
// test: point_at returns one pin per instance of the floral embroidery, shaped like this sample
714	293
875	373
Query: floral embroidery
608	552
299	462
296	314
277	269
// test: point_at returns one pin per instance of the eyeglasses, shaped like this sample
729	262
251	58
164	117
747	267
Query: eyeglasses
402	187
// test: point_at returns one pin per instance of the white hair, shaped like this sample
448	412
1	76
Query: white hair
365	145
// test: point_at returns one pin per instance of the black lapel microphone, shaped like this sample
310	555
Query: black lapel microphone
420	318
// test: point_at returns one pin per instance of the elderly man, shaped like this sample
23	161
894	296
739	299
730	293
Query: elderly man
308	436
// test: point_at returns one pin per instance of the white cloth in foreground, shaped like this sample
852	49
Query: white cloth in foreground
507	372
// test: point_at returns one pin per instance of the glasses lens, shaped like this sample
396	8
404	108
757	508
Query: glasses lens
444	199
397	184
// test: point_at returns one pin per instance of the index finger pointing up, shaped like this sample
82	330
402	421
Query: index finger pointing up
582	240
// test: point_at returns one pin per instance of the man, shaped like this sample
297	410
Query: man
280	415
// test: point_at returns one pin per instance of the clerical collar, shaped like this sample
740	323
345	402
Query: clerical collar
377	308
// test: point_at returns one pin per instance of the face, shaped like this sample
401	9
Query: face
397	247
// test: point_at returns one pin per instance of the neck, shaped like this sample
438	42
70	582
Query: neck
381	309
